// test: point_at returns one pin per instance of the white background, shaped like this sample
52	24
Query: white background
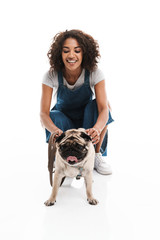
128	33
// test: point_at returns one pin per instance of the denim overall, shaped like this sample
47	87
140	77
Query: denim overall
76	109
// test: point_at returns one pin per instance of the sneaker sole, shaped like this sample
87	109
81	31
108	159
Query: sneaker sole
103	173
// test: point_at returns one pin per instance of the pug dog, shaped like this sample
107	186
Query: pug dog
74	157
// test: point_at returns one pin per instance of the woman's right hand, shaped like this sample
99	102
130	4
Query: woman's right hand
57	132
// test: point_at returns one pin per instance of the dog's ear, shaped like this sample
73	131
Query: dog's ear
58	139
85	136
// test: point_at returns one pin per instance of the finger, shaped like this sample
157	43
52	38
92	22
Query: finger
97	131
96	138
55	136
94	134
58	132
96	141
90	131
87	131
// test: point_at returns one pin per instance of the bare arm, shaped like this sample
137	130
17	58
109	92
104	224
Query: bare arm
102	104
45	110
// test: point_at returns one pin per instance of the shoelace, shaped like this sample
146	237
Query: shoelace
100	159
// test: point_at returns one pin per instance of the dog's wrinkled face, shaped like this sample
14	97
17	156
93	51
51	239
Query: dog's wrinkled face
73	146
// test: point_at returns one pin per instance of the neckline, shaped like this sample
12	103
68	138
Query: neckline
73	85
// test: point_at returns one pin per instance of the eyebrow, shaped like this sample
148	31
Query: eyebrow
68	47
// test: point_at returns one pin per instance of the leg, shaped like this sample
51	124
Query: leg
90	118
99	144
88	182
56	184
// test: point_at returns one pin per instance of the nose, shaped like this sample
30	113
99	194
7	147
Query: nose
71	54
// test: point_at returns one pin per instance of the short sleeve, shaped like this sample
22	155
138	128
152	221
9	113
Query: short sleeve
96	77
47	79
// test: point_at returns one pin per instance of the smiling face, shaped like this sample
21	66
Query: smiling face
72	54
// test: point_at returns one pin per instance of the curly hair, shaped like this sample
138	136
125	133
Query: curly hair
89	46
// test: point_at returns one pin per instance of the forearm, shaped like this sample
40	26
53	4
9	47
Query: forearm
102	120
47	122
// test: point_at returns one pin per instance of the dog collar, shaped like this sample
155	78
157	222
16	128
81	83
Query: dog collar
80	173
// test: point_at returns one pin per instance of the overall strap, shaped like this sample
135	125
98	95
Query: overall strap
86	79
60	78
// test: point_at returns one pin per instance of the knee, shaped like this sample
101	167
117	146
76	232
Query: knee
91	108
91	104
61	120
90	114
56	115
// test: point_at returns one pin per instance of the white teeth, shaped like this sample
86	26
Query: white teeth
71	61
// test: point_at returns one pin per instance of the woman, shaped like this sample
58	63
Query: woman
78	87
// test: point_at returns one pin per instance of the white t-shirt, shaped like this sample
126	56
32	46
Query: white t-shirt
51	79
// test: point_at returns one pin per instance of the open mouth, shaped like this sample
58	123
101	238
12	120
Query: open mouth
72	160
71	61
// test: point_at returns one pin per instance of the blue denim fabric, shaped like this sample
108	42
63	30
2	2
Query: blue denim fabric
76	109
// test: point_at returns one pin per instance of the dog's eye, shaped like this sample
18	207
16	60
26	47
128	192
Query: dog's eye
63	147
80	147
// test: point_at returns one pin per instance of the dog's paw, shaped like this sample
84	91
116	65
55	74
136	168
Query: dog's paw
49	202
92	201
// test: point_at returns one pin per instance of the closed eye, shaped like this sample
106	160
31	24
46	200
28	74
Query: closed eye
67	51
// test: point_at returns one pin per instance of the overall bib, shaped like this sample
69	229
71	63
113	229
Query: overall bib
75	108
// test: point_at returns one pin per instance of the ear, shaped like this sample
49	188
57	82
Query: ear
85	136
58	139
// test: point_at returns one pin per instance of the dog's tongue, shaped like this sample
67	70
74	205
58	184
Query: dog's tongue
72	158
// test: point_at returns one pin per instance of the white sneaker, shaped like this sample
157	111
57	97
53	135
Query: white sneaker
101	166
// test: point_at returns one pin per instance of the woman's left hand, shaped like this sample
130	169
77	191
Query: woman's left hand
94	134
